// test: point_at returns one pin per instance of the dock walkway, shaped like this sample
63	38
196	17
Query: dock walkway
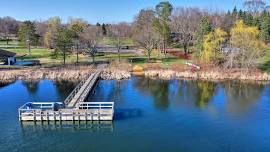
73	108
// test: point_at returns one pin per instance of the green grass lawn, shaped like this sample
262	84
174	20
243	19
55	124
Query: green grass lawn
11	44
113	42
46	58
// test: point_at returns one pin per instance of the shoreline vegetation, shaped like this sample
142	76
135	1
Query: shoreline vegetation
119	71
167	42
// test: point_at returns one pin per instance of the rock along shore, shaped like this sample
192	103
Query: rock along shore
79	73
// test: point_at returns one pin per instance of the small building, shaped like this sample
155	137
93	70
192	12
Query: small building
8	57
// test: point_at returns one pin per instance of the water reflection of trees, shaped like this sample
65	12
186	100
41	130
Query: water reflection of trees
31	86
191	93
206	91
196	93
109	91
241	96
64	88
158	89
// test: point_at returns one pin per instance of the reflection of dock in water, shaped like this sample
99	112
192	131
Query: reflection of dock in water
91	126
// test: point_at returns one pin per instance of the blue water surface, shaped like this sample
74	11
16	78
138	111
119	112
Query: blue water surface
150	115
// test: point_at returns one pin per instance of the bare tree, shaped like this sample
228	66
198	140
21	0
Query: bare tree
144	33
254	6
90	37
184	23
119	32
8	26
41	29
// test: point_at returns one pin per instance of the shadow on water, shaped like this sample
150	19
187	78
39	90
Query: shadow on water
64	88
90	126
5	84
123	114
31	86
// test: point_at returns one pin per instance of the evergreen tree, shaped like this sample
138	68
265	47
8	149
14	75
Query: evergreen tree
204	28
265	28
104	30
248	20
241	14
63	42
256	22
161	22
27	33
235	12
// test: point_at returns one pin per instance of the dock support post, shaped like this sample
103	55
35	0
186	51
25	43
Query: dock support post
34	115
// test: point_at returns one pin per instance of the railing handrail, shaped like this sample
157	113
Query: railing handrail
42	104
99	105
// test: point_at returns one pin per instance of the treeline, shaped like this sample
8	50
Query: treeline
233	39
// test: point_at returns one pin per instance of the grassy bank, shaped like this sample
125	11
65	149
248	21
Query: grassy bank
46	58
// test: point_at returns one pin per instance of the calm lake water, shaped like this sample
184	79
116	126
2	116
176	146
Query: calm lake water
150	115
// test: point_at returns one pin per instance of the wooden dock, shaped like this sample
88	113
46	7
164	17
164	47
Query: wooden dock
80	93
73	108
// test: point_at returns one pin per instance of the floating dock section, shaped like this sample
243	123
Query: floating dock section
73	108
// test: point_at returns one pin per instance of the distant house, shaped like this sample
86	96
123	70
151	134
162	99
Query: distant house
8	57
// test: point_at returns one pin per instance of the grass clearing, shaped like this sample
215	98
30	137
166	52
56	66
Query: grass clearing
46	58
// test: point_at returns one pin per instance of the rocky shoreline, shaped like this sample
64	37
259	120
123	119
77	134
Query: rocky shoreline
79	73
208	75
74	73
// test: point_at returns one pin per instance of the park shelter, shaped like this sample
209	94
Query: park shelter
8	57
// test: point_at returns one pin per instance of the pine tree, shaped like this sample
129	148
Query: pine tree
27	33
104	30
241	14
204	28
248	20
265	26
234	12
63	42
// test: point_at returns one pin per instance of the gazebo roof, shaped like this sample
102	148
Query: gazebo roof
5	53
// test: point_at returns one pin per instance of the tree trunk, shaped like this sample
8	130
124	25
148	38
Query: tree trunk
64	56
164	48
7	39
185	48
93	58
29	48
77	47
118	49
149	55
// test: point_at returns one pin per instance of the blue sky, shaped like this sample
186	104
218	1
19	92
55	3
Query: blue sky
108	11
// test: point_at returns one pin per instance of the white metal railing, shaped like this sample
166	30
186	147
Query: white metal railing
95	105
35	107
39	111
